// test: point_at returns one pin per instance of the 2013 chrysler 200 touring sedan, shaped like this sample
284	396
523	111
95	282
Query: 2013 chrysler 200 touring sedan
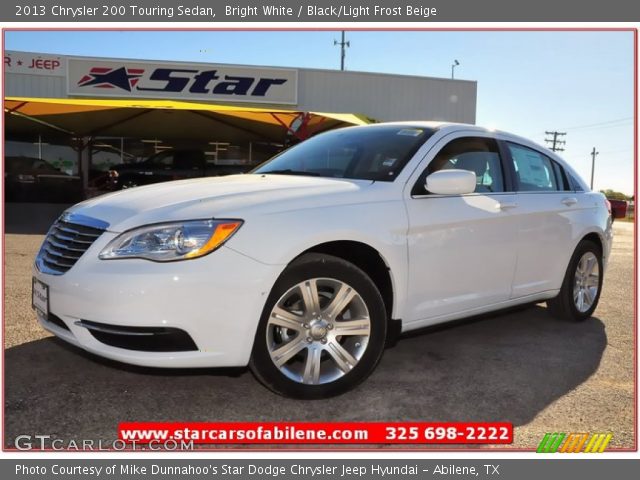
304	268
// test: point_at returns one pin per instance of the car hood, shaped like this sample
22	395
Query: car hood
233	196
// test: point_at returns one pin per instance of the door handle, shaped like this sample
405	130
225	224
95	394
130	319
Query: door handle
569	201
506	205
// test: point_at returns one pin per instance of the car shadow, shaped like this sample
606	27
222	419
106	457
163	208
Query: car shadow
505	367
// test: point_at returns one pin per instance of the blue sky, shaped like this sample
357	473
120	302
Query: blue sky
528	82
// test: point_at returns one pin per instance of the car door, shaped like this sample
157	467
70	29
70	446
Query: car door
546	205
462	248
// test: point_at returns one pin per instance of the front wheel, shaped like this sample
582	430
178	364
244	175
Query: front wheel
322	330
580	292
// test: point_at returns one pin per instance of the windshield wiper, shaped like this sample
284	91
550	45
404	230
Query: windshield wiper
288	171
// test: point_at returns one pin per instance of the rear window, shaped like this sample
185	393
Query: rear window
534	170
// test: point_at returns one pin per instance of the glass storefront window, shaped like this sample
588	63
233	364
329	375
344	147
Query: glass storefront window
47	165
41	168
25	148
59	153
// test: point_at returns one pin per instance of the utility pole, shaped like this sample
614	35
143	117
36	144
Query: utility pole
593	164
343	51
556	145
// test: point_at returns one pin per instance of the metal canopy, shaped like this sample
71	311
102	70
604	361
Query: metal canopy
168	119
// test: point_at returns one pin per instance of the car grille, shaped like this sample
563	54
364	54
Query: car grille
64	245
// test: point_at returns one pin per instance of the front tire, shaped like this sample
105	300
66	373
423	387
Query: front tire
322	331
580	292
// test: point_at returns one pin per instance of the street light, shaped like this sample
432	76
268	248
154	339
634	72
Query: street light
453	66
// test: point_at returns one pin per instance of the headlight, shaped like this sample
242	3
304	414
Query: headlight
167	242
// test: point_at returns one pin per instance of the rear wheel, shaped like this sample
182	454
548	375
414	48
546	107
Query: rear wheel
322	331
580	292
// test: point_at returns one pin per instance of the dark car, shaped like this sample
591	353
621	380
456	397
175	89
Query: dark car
168	165
618	208
29	179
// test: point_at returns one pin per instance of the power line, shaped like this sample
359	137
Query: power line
620	122
556	144
607	152
591	125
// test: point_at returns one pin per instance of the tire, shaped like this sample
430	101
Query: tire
567	305
310	349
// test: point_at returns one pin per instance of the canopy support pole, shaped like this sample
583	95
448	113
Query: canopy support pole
84	165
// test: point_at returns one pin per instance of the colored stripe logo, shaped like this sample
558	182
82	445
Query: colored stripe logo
574	442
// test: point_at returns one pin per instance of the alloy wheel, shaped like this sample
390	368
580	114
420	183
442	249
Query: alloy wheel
586	282
318	331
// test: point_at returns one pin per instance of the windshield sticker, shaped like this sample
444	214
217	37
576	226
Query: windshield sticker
410	132
388	162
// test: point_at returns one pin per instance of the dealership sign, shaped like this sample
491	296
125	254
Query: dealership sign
34	64
180	81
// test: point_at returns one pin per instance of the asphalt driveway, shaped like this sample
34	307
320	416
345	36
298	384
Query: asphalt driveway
519	366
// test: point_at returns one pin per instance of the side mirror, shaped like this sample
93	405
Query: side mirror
451	182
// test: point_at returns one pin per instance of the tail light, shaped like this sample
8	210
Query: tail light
607	204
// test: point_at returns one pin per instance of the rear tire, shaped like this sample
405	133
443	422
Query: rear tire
582	284
322	331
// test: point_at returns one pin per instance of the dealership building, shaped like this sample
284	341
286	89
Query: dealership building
83	115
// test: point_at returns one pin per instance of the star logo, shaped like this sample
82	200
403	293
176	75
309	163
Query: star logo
123	78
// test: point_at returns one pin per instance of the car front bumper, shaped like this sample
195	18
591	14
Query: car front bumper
217	300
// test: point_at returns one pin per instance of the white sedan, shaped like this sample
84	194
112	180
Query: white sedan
305	268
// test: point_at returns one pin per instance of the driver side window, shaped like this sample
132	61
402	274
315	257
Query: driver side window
476	154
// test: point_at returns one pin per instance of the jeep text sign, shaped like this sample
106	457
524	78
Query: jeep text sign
181	81
34	63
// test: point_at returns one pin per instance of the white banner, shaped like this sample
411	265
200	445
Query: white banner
34	63
181	81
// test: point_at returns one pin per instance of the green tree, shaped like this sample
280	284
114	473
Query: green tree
612	194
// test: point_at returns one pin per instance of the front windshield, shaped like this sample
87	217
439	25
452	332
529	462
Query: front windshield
377	152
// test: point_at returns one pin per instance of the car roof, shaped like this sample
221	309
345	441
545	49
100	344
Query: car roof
452	127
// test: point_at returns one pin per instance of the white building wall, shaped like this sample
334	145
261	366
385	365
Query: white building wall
43	86
388	97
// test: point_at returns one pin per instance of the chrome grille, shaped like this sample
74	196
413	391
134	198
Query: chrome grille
65	243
